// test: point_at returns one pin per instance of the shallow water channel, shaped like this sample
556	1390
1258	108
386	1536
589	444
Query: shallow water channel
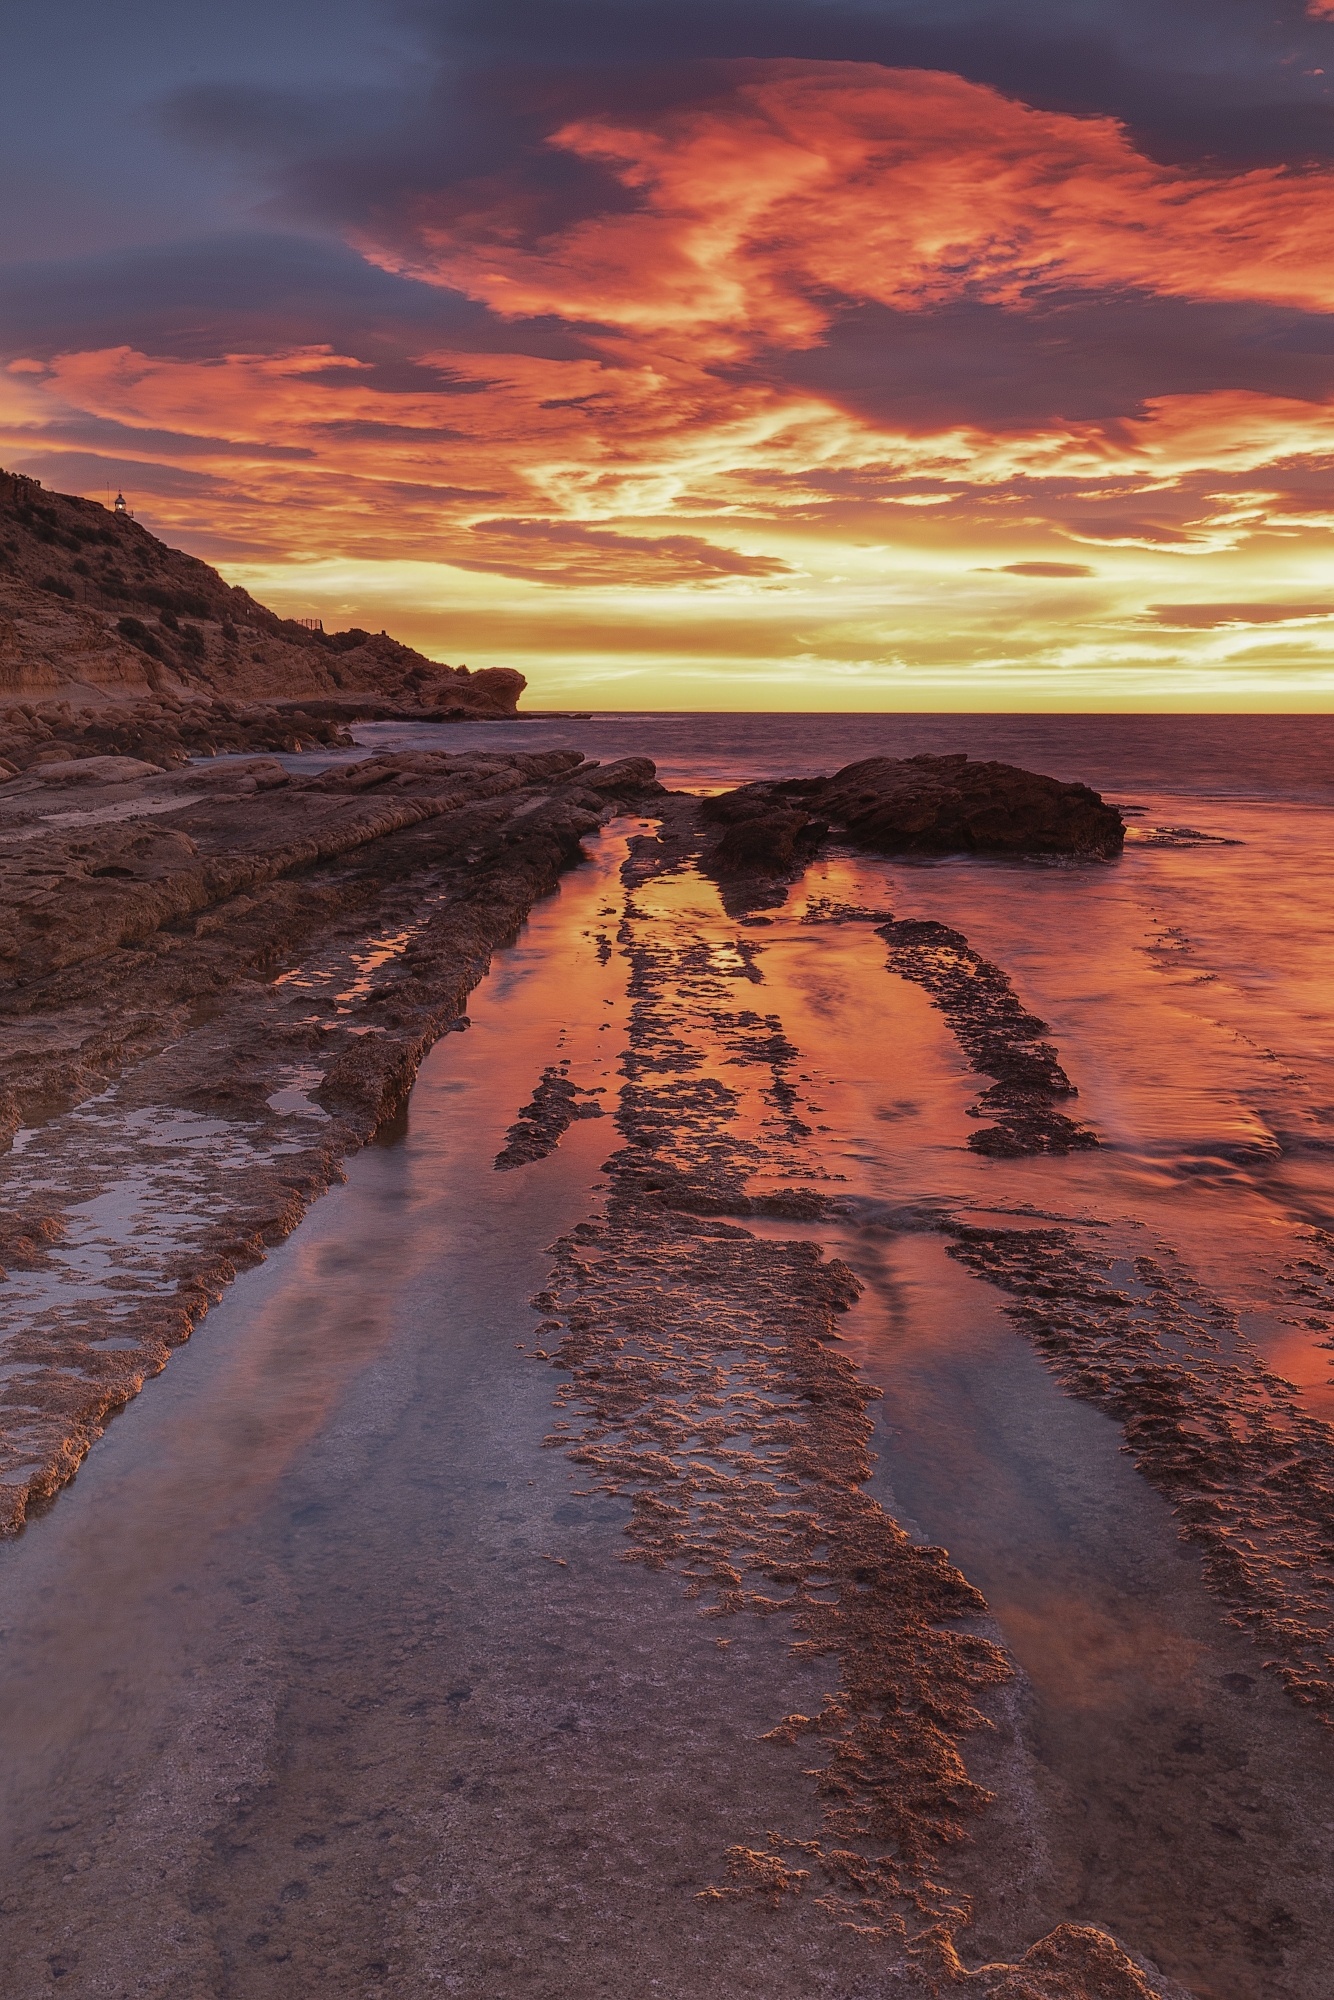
325	1677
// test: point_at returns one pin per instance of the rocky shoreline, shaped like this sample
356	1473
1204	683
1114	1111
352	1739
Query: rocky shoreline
253	964
218	981
176	957
114	645
95	609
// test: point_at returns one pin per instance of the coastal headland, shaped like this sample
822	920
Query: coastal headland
112	643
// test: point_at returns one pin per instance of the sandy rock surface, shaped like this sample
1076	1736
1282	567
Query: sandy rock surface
97	770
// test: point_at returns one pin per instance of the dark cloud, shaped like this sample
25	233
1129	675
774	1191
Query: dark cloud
255	293
364	428
1081	359
1043	569
1221	79
462	144
91	472
133	439
467	148
1207	617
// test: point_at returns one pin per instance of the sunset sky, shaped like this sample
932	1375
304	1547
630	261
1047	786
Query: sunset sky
883	354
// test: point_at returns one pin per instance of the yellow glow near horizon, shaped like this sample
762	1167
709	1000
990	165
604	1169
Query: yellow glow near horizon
866	647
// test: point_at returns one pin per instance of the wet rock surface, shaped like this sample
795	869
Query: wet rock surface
998	1034
544	1121
242	989
226	991
769	842
709	1390
706	1389
1249	1473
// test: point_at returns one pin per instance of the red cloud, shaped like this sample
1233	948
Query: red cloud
909	188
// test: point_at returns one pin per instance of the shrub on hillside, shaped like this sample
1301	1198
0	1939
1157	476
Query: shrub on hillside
55	586
139	635
189	602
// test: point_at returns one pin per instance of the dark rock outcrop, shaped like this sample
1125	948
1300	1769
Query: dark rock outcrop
1000	1038
544	1121
946	805
769	840
39	739
914	805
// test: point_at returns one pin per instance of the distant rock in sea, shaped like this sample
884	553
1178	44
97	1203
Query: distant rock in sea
913	805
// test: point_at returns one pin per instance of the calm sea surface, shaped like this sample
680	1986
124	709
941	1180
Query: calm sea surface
1186	756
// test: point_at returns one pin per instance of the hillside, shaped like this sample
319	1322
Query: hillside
93	607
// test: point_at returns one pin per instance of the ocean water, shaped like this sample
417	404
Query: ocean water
1182	756
316	1583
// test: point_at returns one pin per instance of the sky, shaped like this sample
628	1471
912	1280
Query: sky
704	354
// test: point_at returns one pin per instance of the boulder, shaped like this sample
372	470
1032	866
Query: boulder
915	805
94	771
764	841
949	805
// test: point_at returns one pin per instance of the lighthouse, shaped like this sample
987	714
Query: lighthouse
120	507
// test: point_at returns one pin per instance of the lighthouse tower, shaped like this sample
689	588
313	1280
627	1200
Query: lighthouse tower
120	507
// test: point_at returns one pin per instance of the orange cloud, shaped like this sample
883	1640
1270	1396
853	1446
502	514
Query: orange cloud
668	469
528	474
905	187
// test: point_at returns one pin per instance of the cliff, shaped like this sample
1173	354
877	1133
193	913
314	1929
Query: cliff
92	606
